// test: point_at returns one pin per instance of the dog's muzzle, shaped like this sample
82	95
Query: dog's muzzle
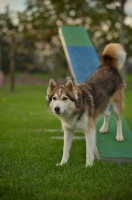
57	110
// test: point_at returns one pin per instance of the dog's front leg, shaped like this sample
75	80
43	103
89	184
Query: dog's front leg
90	136
68	138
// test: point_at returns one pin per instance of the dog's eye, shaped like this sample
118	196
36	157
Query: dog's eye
64	98
54	98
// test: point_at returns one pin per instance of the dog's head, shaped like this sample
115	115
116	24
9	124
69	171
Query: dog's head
61	98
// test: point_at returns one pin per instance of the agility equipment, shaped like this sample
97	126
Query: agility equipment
83	61
80	52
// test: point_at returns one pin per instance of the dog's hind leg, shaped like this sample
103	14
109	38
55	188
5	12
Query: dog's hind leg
117	106
104	127
68	138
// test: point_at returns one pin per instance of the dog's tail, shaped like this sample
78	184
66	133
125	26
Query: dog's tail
113	56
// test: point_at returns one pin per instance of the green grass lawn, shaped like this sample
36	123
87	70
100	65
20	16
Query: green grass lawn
28	155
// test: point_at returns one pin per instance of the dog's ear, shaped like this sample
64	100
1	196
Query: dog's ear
70	85
51	86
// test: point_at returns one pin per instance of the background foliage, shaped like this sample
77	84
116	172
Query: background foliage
36	30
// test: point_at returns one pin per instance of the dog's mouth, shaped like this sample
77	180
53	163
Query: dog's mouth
59	113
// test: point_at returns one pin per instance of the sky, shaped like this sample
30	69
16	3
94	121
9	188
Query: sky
16	5
19	5
128	7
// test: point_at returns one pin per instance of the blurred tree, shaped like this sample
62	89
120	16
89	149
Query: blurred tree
7	28
102	19
38	25
38	22
118	5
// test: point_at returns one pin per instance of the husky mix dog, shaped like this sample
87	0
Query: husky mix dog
79	106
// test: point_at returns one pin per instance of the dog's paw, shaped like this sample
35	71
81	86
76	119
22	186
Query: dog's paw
59	164
89	162
119	138
63	162
103	129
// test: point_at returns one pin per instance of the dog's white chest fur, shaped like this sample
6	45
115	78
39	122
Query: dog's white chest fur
75	123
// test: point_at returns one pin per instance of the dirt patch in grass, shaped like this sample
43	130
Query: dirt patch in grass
26	79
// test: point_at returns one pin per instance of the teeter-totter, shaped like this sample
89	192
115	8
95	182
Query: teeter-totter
83	61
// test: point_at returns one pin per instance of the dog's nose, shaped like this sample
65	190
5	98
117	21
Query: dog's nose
57	109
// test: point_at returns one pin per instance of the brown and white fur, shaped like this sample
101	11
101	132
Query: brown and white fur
79	106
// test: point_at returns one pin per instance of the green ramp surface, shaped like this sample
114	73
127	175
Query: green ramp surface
80	52
109	148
